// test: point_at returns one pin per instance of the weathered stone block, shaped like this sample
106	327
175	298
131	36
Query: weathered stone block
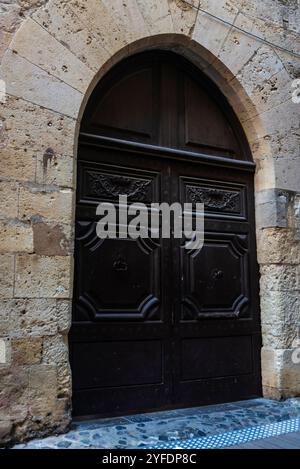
280	372
128	16
51	239
238	48
279	334
280	305
270	363
27	351
47	202
288	172
276	147
5	430
261	67
9	199
268	11
208	31
5	39
296	217
55	169
277	123
62	23
106	27
5	352
280	277
277	245
64	380
6	275
64	315
29	140
272	208
43	382
14	389
28	81
17	165
30	318
55	350
43	277
268	93
290	374
10	16
4	320
40	409
62	413
15	237
183	16
13	12
157	15
47	416
37	46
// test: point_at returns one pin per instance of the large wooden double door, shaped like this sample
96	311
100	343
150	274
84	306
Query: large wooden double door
156	325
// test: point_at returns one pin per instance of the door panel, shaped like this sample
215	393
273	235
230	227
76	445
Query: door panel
121	316
156	325
113	360
110	115
216	278
217	289
216	357
205	125
225	200
121	278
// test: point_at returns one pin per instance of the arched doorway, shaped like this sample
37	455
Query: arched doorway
155	325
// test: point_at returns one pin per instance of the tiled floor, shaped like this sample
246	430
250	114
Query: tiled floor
218	426
287	441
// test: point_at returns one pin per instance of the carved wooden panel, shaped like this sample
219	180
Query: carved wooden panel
111	186
217	197
101	184
120	277
215	279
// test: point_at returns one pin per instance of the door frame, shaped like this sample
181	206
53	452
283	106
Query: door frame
137	147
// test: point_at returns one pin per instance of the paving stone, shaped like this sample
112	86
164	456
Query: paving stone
180	427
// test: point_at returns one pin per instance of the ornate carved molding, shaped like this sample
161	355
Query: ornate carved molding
109	185
217	199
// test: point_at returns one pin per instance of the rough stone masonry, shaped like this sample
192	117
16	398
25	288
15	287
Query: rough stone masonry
52	54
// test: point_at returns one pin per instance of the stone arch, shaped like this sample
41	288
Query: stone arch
50	68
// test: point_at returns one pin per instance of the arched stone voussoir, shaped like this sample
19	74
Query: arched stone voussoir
114	23
67	27
28	81
157	15
239	48
208	30
33	43
184	15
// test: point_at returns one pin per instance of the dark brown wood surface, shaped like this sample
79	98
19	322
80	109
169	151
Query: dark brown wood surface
156	325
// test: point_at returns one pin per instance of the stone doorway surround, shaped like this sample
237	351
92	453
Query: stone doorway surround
53	54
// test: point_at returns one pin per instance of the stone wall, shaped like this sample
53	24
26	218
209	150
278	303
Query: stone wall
53	53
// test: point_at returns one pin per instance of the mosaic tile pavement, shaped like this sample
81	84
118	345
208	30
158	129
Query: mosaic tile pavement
216	426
